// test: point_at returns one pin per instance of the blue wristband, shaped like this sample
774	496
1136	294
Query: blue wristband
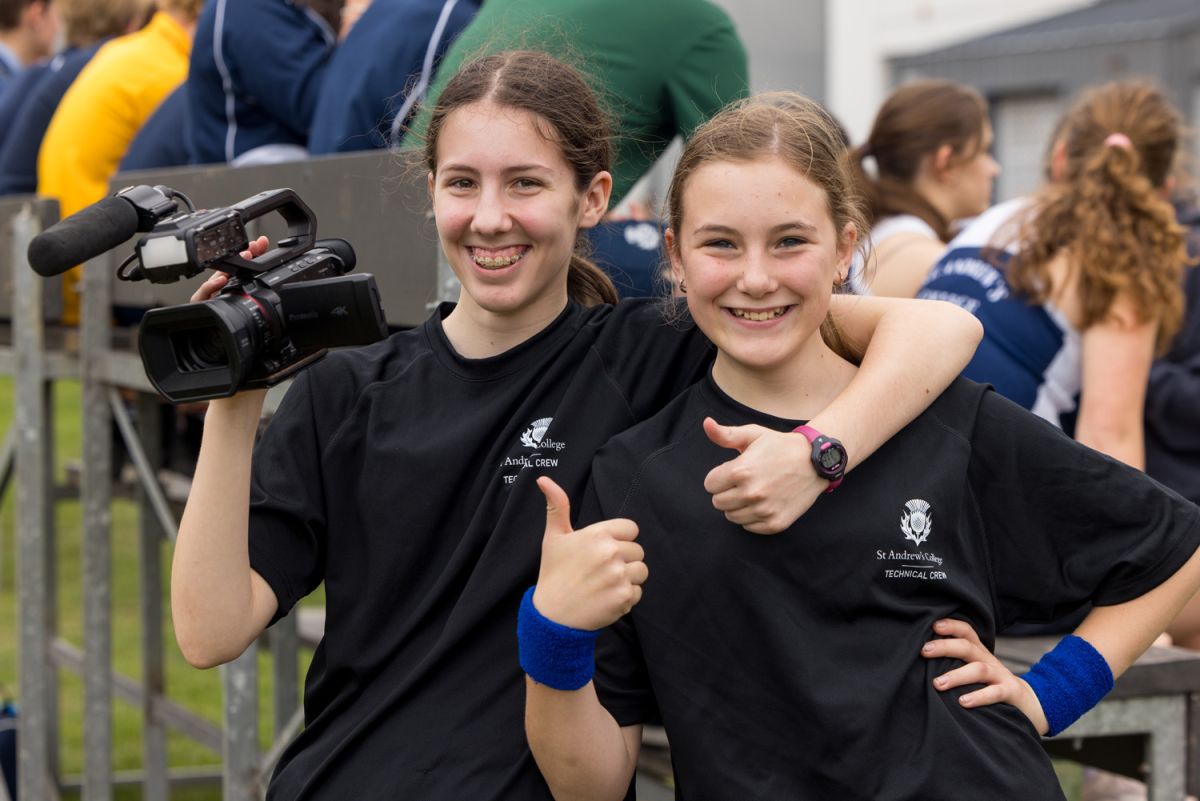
1069	681
552	654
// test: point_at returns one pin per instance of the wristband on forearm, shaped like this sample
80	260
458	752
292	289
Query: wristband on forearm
552	654
1068	681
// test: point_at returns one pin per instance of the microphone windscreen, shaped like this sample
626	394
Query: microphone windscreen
84	235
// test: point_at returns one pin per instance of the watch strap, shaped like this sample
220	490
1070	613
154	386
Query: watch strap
820	442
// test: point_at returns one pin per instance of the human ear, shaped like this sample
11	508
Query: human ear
941	160
595	199
429	184
673	255
847	242
1058	161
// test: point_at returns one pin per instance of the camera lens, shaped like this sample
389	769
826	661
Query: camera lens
199	349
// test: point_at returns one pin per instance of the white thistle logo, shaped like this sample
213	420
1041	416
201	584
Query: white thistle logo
916	521
532	437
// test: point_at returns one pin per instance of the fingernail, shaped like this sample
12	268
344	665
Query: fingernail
940	681
927	647
965	700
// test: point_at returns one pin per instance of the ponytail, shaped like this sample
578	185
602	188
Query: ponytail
1107	214
587	284
911	125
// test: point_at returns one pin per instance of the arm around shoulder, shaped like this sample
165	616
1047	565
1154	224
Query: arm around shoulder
914	349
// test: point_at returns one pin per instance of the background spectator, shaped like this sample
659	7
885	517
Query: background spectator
662	67
256	71
28	29
103	110
1077	285
381	71
1173	394
25	116
1173	414
930	144
165	140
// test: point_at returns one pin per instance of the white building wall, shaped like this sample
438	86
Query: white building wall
861	35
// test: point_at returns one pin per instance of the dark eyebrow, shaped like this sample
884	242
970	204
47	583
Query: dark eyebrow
517	168
713	228
528	168
801	226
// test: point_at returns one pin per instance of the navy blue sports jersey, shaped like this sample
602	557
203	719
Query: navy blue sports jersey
1029	353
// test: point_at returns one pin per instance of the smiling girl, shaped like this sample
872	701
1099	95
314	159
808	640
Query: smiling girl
790	666
401	475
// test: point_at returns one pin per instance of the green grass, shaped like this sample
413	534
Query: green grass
198	690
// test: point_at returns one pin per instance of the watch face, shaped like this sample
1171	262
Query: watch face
830	458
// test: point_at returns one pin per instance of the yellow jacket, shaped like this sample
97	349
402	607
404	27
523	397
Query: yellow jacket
99	116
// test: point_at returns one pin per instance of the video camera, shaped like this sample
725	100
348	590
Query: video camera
278	313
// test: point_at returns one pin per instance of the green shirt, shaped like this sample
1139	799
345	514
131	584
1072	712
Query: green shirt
661	67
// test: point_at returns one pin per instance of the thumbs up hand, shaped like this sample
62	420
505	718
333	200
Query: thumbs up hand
589	578
769	484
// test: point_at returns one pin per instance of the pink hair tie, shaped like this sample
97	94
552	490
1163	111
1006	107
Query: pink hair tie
1118	140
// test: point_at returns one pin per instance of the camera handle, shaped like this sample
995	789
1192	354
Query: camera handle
301	233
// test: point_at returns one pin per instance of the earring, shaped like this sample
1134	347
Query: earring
683	285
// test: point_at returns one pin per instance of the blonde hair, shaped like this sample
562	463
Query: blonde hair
801	133
189	9
89	21
1106	212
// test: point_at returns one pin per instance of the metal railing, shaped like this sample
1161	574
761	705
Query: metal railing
362	198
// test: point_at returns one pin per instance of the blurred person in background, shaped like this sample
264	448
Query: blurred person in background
104	108
1173	408
381	71
24	116
931	147
1079	285
662	67
28	33
165	139
256	72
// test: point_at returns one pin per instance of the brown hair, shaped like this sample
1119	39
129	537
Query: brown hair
555	93
796	130
916	120
188	9
1106	212
10	12
90	21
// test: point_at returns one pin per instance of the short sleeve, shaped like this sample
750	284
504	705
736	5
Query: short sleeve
287	534
621	679
1066	525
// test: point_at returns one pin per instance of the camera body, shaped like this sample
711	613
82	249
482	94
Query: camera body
278	313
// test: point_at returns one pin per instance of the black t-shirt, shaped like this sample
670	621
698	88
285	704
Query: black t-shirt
403	476
789	666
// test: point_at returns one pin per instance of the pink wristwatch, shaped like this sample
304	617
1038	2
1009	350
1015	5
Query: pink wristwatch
828	456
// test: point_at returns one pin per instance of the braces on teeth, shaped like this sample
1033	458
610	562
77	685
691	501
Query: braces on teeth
502	261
